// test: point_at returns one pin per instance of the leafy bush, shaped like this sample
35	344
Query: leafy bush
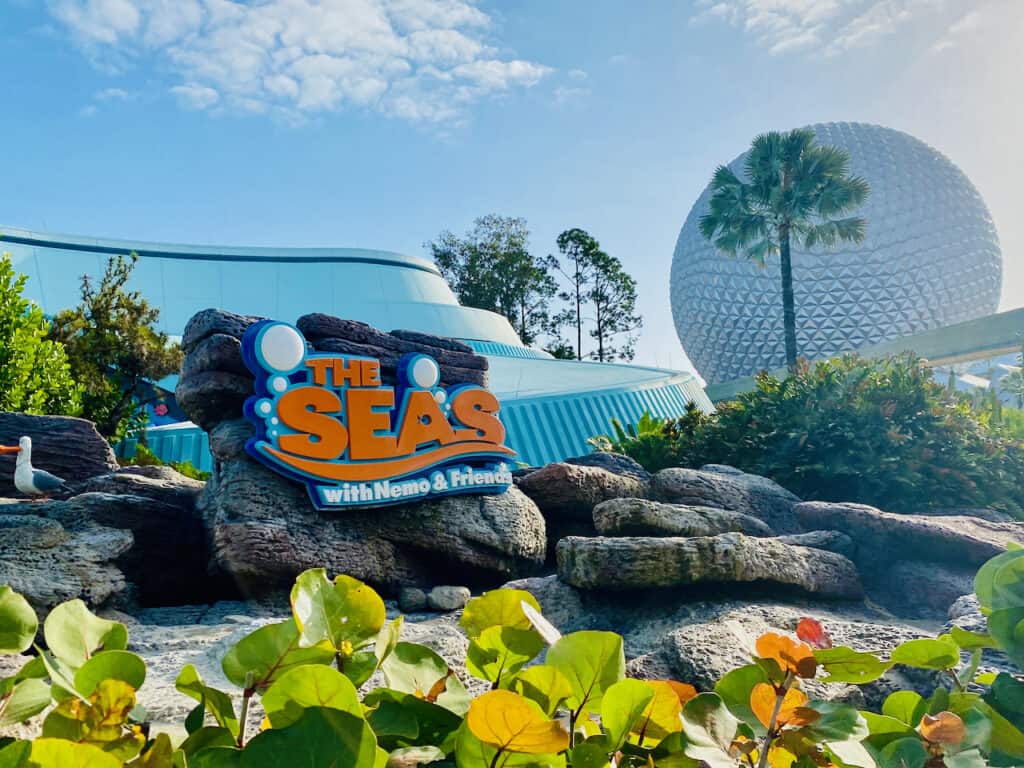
880	432
143	457
576	708
35	376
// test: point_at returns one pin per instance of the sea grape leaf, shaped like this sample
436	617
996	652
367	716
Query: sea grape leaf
499	652
623	705
309	686
497	608
984	580
217	702
73	633
710	729
543	684
845	665
110	665
926	653
18	622
26	699
416	669
346	613
58	753
735	689
903	753
402	720
270	652
592	662
470	752
513	723
906	706
321	738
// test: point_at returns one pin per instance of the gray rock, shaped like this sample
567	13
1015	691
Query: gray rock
965	605
228	439
219	352
209	397
747	494
642	563
570	492
915	589
448	598
53	551
265	531
616	463
69	448
641	517
992	515
412	600
967	541
832	541
210	322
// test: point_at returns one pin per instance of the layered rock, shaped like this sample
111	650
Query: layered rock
570	491
728	488
728	558
68	447
642	517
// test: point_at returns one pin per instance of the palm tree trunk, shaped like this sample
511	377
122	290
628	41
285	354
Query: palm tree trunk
788	303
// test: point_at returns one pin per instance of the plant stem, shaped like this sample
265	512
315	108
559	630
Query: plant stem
243	716
780	696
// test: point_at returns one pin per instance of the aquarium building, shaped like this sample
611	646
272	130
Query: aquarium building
550	407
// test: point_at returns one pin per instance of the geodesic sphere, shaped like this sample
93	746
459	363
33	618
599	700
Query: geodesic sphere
931	258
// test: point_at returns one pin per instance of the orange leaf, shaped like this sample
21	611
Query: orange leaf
790	655
438	688
513	723
684	691
943	728
812	633
793	711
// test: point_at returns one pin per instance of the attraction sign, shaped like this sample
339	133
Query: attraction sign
327	420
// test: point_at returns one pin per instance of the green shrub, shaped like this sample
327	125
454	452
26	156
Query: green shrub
143	457
576	708
880	432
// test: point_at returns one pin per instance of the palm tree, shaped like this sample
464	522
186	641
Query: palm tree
797	191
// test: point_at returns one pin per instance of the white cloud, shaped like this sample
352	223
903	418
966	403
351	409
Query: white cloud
114	94
566	94
193	96
421	60
89	110
577	74
825	26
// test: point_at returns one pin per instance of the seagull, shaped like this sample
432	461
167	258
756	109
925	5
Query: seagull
37	483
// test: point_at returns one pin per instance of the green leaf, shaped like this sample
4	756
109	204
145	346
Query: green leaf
18	622
58	753
499	652
970	758
710	729
402	720
15	754
416	669
159	755
984	580
270	652
387	639
926	654
110	665
497	608
26	700
321	738
218	757
838	722
406	757
622	706
906	706
845	665
360	666
345	613
470	752
1007	628
1006	696
217	702
206	737
903	753
592	753
73	633
971	641
735	688
309	686
544	685
885	729
592	662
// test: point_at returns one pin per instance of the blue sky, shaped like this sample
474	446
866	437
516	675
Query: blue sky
378	123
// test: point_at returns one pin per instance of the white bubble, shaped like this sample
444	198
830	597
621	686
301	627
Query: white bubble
424	373
279	383
440	396
264	407
282	347
275	420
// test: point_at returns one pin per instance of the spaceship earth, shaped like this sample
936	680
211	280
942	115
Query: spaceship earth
931	258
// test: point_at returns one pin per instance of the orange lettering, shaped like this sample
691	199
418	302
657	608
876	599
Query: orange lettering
371	373
319	366
422	423
476	409
303	409
346	371
366	419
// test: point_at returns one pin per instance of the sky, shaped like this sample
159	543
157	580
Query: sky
380	123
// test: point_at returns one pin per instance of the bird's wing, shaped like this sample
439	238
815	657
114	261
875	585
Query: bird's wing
45	482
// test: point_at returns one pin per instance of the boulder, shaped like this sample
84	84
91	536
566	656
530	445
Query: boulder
54	551
209	397
265	531
68	447
210	322
616	463
833	541
643	563
884	536
915	589
448	598
733	490
641	517
570	492
412	600
992	515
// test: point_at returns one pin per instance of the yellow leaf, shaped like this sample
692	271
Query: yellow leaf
780	758
514	724
663	714
943	728
684	691
791	656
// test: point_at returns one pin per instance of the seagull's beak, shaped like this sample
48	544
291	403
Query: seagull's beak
10	449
